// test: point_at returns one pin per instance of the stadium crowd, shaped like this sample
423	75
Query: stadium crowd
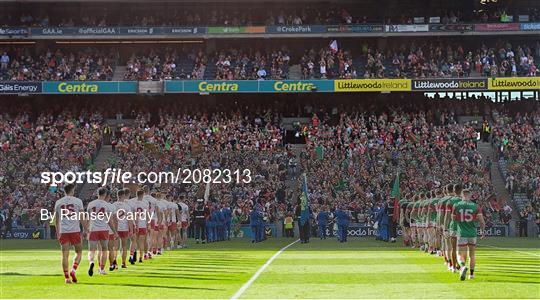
351	156
52	140
230	64
517	140
290	14
20	64
413	59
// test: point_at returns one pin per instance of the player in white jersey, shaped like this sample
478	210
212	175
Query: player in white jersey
163	206
153	243
132	235
174	214
113	245
69	230
125	226
99	209
184	222
140	206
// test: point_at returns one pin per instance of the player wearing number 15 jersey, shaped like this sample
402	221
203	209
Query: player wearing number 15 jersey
466	215
69	229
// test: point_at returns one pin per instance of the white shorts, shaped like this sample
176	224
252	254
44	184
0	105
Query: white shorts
466	241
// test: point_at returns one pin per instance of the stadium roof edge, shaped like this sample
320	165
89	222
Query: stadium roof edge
159	1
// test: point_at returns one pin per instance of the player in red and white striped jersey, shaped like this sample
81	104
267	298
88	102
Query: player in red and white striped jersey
69	229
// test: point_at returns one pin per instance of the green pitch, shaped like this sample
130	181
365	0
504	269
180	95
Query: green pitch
362	268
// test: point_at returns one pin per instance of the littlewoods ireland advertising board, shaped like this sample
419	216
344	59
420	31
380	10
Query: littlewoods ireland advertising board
514	83
372	85
449	84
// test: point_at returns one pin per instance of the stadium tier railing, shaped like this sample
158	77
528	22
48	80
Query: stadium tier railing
143	32
279	86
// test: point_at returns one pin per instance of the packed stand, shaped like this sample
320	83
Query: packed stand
221	65
352	158
202	139
241	65
421	60
327	63
291	14
517	140
91	64
47	142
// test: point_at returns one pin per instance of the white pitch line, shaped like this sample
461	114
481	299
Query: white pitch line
259	272
508	249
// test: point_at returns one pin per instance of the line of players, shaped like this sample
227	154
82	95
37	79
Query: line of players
161	224
444	222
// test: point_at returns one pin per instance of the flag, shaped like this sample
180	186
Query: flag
319	151
304	203
394	194
207	192
196	146
150	132
334	46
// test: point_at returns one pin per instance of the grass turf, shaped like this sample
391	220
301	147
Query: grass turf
361	268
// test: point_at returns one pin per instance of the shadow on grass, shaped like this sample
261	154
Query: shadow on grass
24	274
116	284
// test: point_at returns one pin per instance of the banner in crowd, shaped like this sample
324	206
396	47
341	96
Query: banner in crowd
451	27
529	26
457	84
275	86
14	31
20	87
514	83
25	234
496	27
249	86
111	31
354	28
296	86
296	29
89	87
226	30
407	28
217	86
372	85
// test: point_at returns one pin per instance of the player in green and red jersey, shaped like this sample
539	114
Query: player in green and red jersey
432	215
423	220
441	212
455	194
410	215
445	226
466	215
403	222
